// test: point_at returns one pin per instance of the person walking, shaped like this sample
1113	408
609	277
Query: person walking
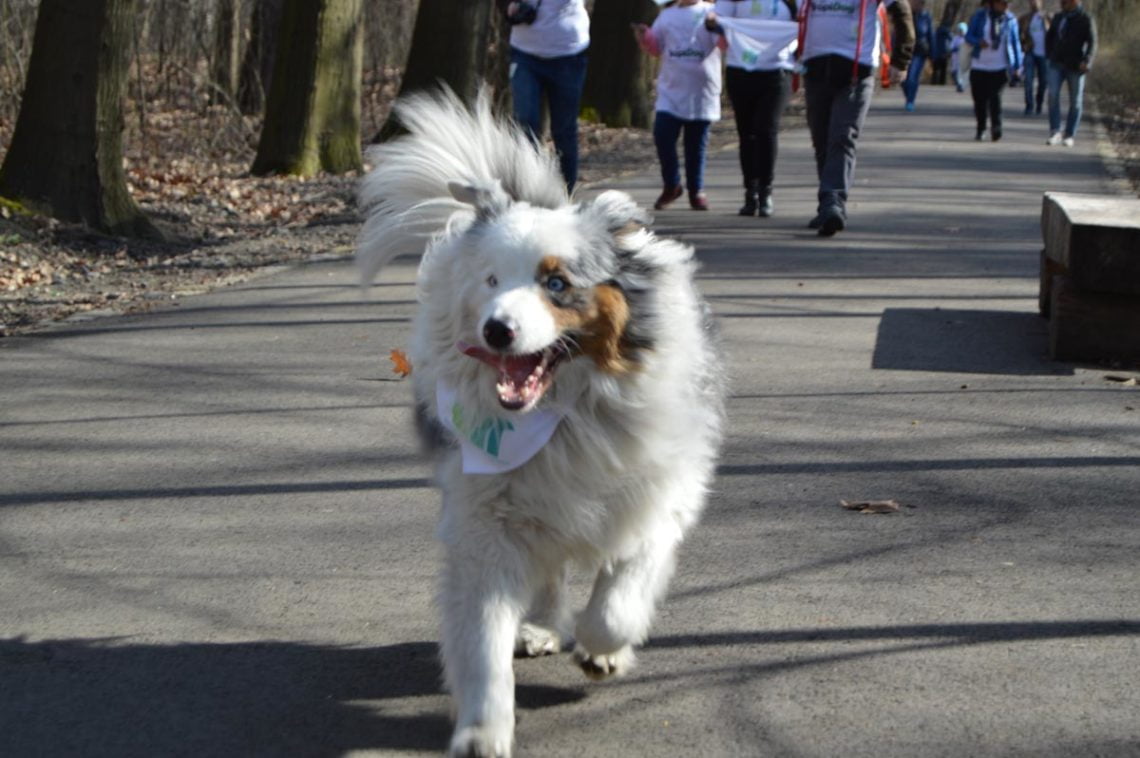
1070	45
940	59
837	50
959	63
549	42
923	49
1033	26
688	95
992	32
759	82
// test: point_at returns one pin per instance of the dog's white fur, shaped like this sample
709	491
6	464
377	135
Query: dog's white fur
626	471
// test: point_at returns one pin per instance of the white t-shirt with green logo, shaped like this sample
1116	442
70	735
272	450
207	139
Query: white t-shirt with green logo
688	83
833	29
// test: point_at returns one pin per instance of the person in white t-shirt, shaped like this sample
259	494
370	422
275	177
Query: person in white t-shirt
839	52
549	40
688	95
759	82
1034	25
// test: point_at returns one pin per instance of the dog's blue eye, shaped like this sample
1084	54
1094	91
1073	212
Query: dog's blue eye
556	284
492	281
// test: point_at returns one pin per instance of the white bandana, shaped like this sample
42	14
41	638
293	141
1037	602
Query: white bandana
494	444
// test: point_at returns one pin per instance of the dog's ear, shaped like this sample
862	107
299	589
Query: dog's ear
619	214
488	199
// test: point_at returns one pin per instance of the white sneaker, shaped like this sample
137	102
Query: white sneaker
1054	139
1067	142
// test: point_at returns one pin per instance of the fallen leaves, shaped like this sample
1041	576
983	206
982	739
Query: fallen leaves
871	506
400	363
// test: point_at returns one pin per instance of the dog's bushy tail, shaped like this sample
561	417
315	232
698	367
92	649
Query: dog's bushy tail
406	196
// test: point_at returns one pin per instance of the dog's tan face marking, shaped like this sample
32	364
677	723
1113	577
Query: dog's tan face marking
596	316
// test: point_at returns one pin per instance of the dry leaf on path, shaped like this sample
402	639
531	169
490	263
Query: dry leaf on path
400	363
871	506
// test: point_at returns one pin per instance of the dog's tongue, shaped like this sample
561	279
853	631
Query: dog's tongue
519	375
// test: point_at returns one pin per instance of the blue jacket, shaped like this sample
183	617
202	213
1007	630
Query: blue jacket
977	28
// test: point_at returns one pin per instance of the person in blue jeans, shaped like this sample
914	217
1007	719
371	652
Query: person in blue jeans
1033	26
923	49
1070	45
548	61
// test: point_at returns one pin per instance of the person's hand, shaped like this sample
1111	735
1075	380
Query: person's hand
1083	68
512	8
897	76
639	30
710	21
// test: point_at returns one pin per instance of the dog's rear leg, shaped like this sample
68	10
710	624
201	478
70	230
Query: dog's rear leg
621	606
483	597
547	625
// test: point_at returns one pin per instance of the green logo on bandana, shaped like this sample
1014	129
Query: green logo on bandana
485	435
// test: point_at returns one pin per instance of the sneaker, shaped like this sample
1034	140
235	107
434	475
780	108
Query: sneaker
831	221
1054	139
1067	142
910	107
981	133
668	195
698	201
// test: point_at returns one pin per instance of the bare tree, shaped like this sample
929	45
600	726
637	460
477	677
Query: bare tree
619	80
257	63
225	66
449	45
65	158
312	118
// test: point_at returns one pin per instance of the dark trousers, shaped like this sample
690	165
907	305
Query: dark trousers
837	104
758	99
938	70
559	81
666	129
986	88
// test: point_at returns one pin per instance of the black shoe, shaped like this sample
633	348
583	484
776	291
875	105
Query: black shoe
767	207
996	135
751	203
831	221
816	222
981	133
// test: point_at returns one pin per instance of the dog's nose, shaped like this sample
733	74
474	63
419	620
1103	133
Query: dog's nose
498	335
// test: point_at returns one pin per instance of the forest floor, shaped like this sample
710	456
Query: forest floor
223	226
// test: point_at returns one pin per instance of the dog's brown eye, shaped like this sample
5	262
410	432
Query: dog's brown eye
492	281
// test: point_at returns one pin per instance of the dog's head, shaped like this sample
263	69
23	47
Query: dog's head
541	287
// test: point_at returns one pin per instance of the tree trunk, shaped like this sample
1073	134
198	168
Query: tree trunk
312	119
224	68
66	157
449	45
257	65
619	80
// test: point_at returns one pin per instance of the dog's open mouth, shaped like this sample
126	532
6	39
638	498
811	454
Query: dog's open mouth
523	379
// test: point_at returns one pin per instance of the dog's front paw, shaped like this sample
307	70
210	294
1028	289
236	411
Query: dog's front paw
599	667
480	742
534	641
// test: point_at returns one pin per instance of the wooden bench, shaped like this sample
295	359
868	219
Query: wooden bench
1090	277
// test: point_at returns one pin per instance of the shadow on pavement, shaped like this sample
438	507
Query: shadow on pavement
964	342
104	698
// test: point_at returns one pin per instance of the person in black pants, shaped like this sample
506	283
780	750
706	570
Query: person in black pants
759	86
996	55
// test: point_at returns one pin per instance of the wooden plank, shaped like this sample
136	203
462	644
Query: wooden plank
1094	327
1095	238
1049	269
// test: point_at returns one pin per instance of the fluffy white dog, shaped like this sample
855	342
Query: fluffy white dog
565	374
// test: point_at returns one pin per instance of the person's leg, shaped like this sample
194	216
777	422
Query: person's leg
774	91
526	92
1030	72
818	98
1055	76
742	95
913	78
696	146
666	129
848	112
1039	64
1076	101
998	82
978	94
564	93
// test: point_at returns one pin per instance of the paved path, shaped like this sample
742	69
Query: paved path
216	539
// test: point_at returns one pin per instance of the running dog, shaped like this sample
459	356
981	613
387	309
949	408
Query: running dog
566	377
